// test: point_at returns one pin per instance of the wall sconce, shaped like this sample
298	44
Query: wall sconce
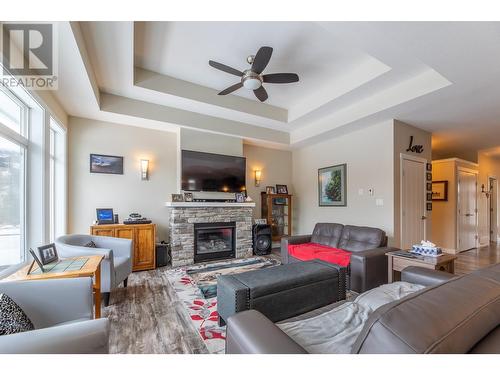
144	169
487	193
258	174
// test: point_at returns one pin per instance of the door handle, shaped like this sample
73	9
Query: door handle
424	217
469	214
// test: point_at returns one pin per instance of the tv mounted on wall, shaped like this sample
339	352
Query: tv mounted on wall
203	171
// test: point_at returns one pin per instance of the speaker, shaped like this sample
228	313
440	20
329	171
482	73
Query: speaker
262	240
162	254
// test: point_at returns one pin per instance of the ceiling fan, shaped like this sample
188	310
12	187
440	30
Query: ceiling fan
253	78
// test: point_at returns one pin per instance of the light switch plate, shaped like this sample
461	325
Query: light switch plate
379	202
361	191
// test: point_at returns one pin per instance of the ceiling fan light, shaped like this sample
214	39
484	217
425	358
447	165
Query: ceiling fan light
252	83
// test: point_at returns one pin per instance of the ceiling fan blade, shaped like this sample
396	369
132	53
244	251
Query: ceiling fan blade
261	59
230	89
225	68
261	94
280	78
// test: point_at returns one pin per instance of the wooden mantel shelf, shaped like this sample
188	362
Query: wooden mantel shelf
208	204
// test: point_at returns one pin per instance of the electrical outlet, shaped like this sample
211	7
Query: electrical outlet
379	202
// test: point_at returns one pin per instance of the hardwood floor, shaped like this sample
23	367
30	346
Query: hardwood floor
147	316
474	259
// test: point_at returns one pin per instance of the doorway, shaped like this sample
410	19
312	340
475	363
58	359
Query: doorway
467	209
492	205
413	199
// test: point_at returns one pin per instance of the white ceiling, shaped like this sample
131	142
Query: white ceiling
440	76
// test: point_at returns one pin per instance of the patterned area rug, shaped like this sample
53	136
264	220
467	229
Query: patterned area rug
196	287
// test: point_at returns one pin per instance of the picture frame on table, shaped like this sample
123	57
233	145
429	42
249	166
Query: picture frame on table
177	198
429	196
281	189
270	190
47	254
240	197
428	167
428	176
188	197
429	186
429	206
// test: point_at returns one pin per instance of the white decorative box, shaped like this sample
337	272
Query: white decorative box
426	250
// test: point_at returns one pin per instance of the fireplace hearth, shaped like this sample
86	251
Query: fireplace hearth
214	241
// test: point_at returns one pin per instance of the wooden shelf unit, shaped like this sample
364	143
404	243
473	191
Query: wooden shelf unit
279	216
143	237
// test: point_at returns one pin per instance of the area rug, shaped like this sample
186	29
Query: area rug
196	287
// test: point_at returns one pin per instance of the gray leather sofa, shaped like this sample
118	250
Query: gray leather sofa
116	265
62	312
452	315
368	268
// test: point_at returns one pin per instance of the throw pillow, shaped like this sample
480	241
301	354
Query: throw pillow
12	317
90	244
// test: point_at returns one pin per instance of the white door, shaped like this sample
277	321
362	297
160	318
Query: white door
493	209
467	219
413	214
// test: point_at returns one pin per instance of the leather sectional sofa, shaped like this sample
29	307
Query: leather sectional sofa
368	267
452	315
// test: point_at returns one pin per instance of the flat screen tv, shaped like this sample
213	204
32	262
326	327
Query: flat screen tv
202	171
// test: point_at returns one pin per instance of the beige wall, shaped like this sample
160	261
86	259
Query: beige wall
276	167
489	166
210	142
444	225
124	193
402	134
369	156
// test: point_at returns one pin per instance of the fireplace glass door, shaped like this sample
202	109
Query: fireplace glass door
214	241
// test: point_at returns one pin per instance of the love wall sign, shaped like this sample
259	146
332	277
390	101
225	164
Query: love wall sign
414	148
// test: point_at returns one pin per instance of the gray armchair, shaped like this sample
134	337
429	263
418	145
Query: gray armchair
116	265
62	312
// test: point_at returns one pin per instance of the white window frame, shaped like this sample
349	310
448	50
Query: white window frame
22	140
57	179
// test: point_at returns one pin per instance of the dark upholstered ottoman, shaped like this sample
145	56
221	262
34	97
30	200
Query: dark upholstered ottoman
281	292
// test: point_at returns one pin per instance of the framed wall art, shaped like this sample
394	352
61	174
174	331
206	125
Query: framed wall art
332	185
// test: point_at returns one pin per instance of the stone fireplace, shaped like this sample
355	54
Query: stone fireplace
204	231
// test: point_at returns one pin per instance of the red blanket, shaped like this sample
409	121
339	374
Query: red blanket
310	250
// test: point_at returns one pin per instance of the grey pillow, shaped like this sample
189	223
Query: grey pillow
12	317
90	244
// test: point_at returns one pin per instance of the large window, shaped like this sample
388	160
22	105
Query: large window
13	146
57	186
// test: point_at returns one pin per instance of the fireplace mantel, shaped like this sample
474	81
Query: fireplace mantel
208	204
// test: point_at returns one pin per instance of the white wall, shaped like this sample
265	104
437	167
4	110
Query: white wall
369	155
124	193
276	167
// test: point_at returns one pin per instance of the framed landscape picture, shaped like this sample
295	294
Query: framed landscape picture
106	164
332	182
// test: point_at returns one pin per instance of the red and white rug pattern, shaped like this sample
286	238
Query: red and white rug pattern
196	288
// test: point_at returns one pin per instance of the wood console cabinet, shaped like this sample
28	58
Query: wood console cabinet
143	238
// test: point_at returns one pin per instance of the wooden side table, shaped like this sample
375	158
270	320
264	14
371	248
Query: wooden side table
396	263
91	268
